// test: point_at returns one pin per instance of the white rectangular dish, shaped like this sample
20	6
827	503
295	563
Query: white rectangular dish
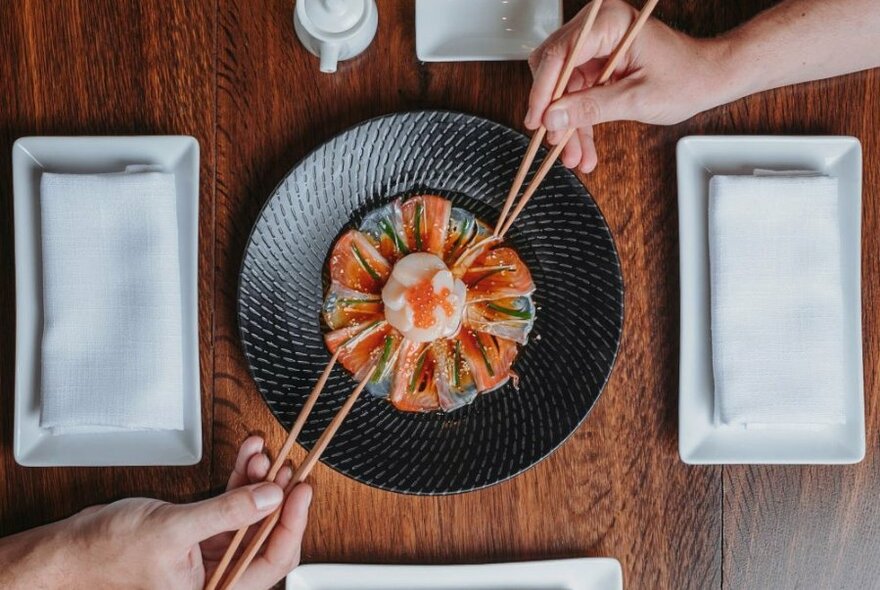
701	441
483	30
589	573
31	156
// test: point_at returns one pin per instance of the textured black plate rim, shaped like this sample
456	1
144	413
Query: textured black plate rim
542	153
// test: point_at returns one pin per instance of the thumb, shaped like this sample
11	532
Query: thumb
599	104
230	511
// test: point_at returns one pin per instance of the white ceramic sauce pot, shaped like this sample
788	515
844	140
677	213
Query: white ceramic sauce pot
335	30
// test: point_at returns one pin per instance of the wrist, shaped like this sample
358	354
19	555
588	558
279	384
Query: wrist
729	81
35	559
738	66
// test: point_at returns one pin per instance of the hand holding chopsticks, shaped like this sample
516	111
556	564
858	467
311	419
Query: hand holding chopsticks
299	476
538	137
276	465
504	222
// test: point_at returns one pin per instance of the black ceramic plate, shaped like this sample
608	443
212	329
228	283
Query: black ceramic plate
562	237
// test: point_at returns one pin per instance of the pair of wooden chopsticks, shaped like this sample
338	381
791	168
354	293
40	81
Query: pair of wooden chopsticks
504	222
501	229
299	476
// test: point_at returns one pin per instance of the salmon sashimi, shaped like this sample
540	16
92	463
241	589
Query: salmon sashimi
426	223
476	250
445	325
490	358
414	388
497	274
359	347
357	265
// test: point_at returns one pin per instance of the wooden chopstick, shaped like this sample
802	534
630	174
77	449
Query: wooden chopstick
276	466
538	136
548	162
301	474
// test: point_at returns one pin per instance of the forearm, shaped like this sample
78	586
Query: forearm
801	40
34	559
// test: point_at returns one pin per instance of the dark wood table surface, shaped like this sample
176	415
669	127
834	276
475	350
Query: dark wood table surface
232	74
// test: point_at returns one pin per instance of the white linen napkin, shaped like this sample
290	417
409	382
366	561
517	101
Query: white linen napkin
776	300
112	334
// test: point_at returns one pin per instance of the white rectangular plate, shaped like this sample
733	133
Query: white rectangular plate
483	30
699	439
31	156
589	573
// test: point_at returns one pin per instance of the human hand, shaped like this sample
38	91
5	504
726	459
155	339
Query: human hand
145	543
664	78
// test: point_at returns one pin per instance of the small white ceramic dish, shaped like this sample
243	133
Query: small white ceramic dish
589	573
700	440
34	446
483	30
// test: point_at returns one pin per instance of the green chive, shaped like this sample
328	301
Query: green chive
395	239
484	355
414	380
355	301
491	272
363	262
511	312
417	223
464	230
456	361
383	360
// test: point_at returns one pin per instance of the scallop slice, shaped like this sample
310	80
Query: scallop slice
343	306
384	227
511	318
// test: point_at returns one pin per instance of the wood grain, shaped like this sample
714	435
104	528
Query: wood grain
102	68
232	73
614	497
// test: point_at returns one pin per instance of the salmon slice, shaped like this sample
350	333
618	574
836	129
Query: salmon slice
488	356
498	274
414	388
426	223
362	345
356	264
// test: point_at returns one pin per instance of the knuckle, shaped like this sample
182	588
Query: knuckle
555	52
535	59
588	111
234	508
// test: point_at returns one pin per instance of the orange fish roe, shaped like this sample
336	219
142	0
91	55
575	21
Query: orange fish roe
423	300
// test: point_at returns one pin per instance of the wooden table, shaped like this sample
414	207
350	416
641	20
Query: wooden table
231	73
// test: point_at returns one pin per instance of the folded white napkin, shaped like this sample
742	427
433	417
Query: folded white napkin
777	300
112	339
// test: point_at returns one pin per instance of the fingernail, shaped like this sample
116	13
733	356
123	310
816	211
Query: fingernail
267	496
557	119
528	120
